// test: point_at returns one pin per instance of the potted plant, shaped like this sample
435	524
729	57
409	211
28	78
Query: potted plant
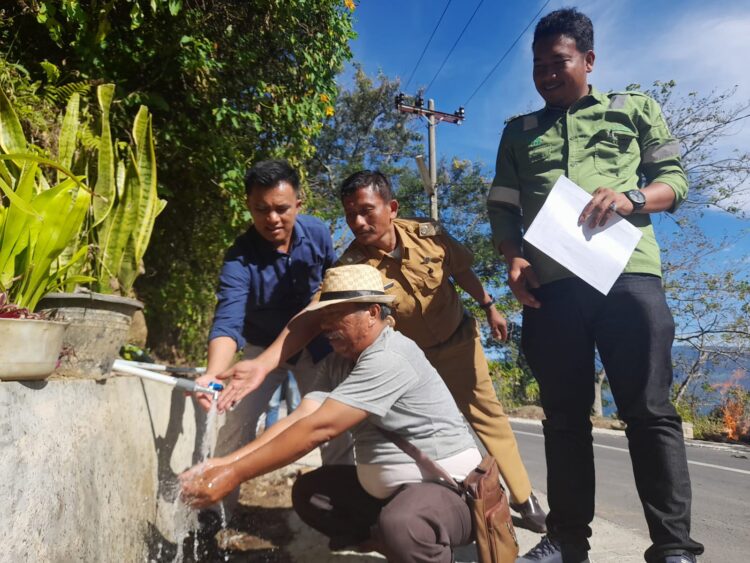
119	225
40	215
29	344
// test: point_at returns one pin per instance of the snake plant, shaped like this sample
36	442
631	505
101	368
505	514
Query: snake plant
39	215
126	204
58	232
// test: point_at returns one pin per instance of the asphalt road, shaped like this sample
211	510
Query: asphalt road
720	477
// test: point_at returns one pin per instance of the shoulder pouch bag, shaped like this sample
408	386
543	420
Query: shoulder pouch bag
493	527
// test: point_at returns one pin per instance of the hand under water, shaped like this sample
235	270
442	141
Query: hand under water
207	483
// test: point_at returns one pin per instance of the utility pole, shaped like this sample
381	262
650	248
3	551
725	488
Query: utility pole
432	152
429	177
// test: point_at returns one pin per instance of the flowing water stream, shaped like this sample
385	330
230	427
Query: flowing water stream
186	518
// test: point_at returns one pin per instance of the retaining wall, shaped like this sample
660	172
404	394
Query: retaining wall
88	468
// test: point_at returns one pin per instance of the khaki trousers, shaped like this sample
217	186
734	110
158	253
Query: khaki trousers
461	363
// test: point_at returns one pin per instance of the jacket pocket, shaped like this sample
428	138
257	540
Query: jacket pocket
617	153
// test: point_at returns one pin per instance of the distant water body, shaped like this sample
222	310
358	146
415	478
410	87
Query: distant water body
718	373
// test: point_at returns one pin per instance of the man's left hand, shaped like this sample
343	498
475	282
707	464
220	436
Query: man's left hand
604	203
497	323
204	488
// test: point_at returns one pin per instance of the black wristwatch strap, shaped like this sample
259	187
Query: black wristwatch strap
490	303
637	198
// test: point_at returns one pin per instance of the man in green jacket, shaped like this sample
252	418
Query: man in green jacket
617	147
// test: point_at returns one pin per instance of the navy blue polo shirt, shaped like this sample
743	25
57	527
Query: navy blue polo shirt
261	289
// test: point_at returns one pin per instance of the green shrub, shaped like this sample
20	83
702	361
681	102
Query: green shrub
708	428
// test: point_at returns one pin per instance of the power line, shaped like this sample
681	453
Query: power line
454	45
494	68
427	45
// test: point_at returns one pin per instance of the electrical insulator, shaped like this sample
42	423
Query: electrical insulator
460	113
419	101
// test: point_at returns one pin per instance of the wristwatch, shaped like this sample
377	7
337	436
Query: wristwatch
637	198
488	305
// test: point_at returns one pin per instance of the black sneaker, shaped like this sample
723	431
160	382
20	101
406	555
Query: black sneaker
550	551
532	515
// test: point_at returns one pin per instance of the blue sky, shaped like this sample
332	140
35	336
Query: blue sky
703	46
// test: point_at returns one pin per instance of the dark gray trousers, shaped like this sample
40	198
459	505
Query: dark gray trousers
633	330
420	523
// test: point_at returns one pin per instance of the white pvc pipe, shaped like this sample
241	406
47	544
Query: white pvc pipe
159	367
187	384
143	365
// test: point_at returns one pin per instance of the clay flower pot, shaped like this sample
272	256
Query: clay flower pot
98	328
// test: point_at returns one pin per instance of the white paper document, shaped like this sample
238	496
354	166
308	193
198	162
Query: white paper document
596	255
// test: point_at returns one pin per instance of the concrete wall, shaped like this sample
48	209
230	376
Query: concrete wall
87	469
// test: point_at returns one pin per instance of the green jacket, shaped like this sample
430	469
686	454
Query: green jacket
603	140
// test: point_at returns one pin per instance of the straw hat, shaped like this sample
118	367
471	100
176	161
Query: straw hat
357	283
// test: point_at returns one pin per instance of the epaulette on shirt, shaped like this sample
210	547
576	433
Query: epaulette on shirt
527	121
427	227
430	229
617	100
514	117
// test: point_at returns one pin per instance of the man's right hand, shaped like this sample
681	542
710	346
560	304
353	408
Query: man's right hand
241	379
521	279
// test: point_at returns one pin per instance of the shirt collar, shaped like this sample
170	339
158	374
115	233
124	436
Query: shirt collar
298	234
405	242
600	97
383	333
594	96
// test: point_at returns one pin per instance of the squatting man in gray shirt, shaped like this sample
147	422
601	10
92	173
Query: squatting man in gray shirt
376	378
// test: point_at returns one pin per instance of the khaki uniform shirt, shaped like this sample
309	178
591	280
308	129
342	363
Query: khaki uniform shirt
427	307
603	140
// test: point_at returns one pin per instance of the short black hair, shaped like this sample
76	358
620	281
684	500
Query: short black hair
569	22
367	179
385	309
269	173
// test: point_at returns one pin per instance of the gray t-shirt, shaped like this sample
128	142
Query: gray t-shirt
393	381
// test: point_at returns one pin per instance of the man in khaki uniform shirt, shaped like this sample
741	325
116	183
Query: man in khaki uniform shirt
417	260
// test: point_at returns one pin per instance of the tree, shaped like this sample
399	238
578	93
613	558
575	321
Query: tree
710	300
365	131
228	82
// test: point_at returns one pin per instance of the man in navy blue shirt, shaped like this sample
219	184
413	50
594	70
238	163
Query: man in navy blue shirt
269	275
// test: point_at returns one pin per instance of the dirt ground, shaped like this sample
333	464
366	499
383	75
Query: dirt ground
265	529
259	528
